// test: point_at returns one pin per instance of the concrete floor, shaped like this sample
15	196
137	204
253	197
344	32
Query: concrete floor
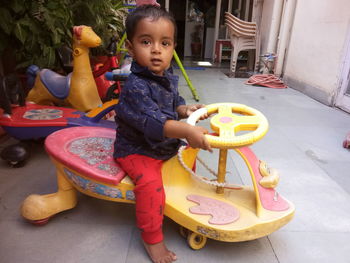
304	143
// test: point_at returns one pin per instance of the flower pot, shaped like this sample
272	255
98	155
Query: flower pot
196	48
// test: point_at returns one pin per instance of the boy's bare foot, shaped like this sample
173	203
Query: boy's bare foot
159	253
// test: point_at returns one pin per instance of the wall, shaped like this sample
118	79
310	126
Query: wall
266	24
315	55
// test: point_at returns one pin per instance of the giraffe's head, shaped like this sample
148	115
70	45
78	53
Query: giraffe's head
85	36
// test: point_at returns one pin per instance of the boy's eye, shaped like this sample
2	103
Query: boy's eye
166	43
145	42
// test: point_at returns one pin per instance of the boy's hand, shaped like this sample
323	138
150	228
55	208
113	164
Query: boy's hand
196	139
194	135
185	111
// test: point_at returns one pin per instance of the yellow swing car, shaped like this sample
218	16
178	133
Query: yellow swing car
203	208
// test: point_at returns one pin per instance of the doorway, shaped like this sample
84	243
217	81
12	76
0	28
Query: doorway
178	9
343	98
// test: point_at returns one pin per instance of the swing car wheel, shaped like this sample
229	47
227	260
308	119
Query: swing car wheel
40	222
196	241
15	155
184	231
17	164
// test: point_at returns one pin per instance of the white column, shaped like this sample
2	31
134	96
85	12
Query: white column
240	8
257	11
284	36
247	7
217	24
229	9
167	5
275	26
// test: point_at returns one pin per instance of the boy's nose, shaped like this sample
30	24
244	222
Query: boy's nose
156	48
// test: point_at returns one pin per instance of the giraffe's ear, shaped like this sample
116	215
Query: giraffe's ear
77	30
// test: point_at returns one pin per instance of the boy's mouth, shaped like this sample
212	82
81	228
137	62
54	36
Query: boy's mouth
156	61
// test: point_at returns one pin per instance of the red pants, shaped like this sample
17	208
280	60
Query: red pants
149	193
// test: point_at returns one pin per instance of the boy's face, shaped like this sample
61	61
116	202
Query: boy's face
153	44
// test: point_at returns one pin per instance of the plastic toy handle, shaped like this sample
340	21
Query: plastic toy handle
226	124
97	114
116	77
109	75
195	116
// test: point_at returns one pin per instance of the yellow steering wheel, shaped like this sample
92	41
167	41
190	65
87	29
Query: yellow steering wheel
231	119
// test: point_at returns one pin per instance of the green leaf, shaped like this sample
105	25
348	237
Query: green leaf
56	38
60	31
5	21
113	27
24	64
31	43
18	6
52	5
20	32
49	19
51	57
48	59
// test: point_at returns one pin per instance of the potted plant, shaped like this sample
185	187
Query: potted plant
105	17
31	31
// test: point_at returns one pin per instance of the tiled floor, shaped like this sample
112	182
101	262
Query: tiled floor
304	143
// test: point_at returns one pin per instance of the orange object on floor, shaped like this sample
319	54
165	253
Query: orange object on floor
266	80
346	142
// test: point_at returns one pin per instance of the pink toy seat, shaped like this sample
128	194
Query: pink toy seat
88	151
221	213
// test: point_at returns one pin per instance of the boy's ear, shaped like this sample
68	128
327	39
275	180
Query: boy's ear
130	48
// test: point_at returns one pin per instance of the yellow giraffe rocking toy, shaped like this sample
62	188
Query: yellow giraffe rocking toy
78	89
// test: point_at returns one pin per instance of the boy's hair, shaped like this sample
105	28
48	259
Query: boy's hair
147	11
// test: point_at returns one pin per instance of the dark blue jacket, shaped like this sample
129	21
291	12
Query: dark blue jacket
145	103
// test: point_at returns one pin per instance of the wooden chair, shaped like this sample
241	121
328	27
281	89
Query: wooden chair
244	36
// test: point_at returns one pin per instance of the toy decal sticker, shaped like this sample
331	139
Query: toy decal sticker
93	187
130	195
93	150
43	114
109	168
97	152
211	233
